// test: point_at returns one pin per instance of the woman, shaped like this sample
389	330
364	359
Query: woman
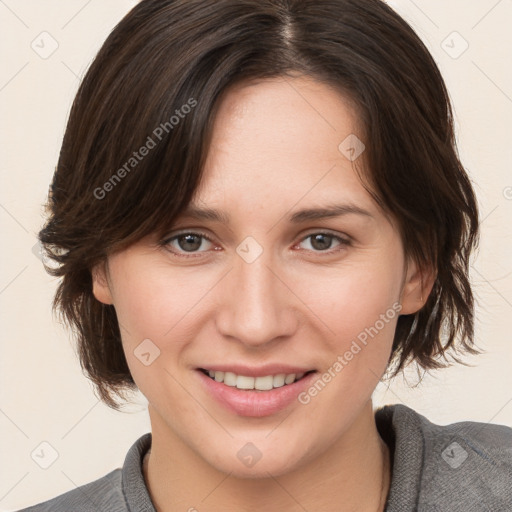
305	151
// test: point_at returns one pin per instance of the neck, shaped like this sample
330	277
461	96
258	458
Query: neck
357	475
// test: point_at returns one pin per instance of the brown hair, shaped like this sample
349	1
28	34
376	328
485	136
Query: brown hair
156	84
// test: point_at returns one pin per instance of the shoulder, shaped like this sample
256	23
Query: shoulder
475	457
460	465
105	493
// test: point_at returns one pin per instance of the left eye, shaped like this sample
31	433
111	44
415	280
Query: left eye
191	242
322	241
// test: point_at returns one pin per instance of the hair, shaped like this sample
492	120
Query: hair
154	88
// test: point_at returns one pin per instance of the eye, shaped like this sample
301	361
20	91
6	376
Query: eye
322	241
186	242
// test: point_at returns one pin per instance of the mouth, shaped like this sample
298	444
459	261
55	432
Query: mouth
255	383
256	392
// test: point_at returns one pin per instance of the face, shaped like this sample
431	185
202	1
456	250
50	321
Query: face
265	291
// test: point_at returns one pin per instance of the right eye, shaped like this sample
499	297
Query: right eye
185	242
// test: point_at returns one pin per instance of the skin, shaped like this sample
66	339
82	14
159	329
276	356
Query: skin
274	151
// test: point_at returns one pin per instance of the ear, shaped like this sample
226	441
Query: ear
100	286
416	288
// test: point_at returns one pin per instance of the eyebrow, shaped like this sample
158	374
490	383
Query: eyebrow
329	211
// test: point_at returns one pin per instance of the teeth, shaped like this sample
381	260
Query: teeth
259	383
279	380
289	378
229	379
242	382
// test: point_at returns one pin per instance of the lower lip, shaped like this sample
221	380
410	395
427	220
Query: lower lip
255	403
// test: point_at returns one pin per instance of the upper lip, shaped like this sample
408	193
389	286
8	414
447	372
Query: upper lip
257	371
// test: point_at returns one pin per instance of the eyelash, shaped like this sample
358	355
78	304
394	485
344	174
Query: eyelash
344	242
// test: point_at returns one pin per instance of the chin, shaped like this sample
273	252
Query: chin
249	462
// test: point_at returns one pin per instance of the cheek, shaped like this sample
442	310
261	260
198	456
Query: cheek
151	314
151	301
158	309
358	308
361	321
351	298
140	308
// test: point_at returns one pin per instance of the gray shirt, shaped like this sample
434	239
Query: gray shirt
464	466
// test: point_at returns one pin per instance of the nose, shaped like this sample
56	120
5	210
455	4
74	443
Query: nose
255	304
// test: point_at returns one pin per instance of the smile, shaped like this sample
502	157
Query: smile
264	393
245	382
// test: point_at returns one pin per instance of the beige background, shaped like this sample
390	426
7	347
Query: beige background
45	397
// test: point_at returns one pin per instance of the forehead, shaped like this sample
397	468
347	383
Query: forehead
279	140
